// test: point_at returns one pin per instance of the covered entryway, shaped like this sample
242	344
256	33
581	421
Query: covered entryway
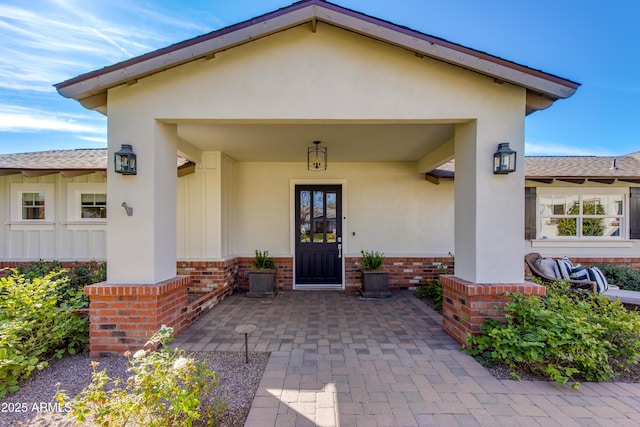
318	236
242	103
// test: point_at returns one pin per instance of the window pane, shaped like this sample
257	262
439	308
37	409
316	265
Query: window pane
305	216
613	227
318	217
559	204
593	227
592	205
33	206
87	199
566	227
605	204
93	205
331	217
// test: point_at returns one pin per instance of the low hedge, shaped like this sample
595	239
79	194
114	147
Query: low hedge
624	277
565	336
38	320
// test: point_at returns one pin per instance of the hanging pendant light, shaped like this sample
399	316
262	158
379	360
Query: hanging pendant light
317	157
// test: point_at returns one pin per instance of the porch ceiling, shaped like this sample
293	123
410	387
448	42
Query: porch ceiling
346	142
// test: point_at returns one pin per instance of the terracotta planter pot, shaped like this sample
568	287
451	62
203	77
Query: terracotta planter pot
375	284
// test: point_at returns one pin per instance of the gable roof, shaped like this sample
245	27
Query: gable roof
90	89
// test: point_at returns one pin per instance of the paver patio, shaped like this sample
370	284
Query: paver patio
340	360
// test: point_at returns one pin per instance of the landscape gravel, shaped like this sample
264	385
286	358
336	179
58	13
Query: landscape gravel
34	404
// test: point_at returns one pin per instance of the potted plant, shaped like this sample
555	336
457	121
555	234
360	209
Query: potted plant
375	280
262	278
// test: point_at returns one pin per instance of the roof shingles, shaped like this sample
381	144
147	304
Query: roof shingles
82	159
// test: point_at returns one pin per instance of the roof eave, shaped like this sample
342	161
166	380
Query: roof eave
90	88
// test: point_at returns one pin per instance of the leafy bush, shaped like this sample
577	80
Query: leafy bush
165	390
432	292
79	275
36	325
371	260
564	336
263	261
624	277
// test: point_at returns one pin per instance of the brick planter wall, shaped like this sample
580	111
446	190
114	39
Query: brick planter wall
466	305
209	276
284	273
404	272
123	317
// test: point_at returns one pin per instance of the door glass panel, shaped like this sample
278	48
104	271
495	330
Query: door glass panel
331	217
305	216
318	217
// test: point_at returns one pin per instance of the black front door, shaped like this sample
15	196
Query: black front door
318	236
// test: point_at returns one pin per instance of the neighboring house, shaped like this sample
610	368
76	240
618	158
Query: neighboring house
244	103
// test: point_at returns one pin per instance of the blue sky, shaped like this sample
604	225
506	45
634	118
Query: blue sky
592	42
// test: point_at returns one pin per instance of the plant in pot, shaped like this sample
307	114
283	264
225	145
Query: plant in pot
262	278
375	280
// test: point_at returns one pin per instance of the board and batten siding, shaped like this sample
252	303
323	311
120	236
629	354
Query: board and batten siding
61	236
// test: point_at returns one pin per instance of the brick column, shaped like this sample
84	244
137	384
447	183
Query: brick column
466	305
123	317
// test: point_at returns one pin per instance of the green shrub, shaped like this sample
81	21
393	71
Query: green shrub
371	260
564	336
165	389
36	325
622	276
79	275
263	261
432	292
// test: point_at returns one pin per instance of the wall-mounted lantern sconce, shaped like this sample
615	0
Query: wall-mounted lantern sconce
125	160
504	160
317	157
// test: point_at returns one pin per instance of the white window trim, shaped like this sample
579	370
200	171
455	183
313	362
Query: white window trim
74	201
17	190
609	241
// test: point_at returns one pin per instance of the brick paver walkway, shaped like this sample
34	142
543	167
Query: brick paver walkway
339	360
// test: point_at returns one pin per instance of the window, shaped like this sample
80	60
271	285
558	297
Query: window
93	205
32	203
86	203
571	214
33	206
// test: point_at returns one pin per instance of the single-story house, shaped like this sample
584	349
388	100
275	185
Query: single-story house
244	106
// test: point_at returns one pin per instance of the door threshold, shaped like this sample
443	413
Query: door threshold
318	287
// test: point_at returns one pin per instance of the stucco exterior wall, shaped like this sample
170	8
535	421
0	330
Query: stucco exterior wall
62	236
386	206
298	76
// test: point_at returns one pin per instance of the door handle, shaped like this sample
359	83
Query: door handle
339	250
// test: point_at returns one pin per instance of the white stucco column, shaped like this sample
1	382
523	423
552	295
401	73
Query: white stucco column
141	249
489	209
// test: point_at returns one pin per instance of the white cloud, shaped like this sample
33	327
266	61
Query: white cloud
101	140
19	119
537	148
